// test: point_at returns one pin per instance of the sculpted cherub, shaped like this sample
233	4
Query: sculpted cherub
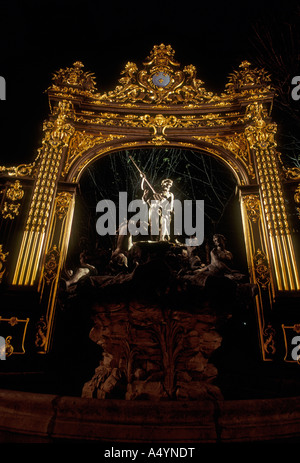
193	88
128	87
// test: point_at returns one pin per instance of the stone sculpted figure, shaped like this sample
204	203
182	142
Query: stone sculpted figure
221	260
160	207
82	271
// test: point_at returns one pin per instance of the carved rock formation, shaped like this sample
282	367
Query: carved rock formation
152	352
158	321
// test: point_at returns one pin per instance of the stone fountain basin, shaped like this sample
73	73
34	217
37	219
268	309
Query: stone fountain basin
33	417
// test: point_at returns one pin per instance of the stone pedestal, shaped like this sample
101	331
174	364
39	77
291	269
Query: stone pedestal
153	352
159	326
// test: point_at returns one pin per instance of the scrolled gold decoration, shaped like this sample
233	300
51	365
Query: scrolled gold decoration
51	264
23	170
18	336
260	133
269	340
8	346
10	211
236	144
40	337
59	131
296	328
62	203
261	269
292	173
3	257
183	121
161	82
252	204
81	142
13	321
14	193
297	199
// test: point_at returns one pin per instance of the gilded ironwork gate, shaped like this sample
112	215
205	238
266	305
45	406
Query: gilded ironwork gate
159	104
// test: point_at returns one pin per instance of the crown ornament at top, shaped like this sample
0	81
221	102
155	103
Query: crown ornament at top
161	81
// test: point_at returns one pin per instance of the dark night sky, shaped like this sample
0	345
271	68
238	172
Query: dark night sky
39	37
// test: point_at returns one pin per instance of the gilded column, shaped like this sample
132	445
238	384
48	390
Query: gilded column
261	137
55	255
56	139
259	269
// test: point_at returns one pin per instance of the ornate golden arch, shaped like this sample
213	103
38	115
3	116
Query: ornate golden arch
160	103
216	151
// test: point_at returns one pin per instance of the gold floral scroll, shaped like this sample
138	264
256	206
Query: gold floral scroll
252	204
3	257
297	199
13	196
261	269
62	203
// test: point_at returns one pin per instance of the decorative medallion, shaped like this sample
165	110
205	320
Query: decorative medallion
161	79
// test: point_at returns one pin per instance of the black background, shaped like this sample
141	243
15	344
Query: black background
39	37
